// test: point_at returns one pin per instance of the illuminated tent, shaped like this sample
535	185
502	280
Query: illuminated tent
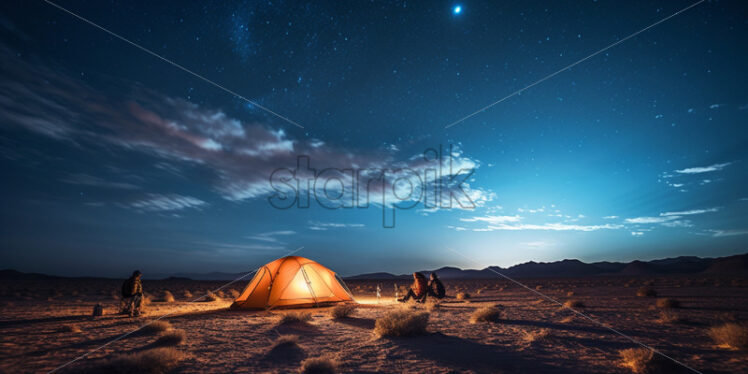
293	281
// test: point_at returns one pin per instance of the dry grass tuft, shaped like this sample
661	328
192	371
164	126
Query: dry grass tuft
341	311
168	297
401	323
730	335
530	337
645	361
187	294
567	319
234	293
152	361
319	365
646	292
573	304
570	293
209	297
486	314
70	328
171	337
285	341
294	317
667	316
462	296
156	327
668	303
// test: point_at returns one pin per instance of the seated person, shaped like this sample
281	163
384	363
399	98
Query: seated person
435	288
418	289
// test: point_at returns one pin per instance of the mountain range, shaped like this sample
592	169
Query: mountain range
730	265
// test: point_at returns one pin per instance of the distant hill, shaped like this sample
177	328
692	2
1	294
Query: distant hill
731	265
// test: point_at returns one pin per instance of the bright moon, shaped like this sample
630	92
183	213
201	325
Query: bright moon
457	9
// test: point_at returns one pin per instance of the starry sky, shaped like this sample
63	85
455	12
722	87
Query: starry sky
113	159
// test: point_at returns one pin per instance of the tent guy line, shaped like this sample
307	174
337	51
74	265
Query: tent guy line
160	318
146	50
549	76
584	315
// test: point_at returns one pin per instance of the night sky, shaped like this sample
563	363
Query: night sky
113	159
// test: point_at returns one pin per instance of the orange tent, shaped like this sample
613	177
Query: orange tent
293	281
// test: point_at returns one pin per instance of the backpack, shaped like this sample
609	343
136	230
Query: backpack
128	288
440	291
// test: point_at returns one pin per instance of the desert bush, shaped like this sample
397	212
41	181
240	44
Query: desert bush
294	317
533	336
187	294
209	297
171	337
342	311
152	361
567	319
401	323
570	293
539	287
667	303
486	314
645	361
234	293
284	341
168	297
156	327
462	296
667	316
319	365
730	335
70	328
646	292
573	304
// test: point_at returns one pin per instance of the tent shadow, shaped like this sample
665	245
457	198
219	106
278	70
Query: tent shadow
362	323
466	355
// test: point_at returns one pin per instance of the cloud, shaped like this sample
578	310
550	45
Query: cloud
703	169
610	217
324	226
272	236
689	212
679	223
651	219
523	210
239	156
92	181
538	244
637	233
722	233
492	219
549	227
166	203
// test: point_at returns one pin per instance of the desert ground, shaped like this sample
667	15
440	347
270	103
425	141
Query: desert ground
46	324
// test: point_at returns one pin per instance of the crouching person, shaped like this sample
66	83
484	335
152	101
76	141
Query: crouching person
417	290
132	294
435	288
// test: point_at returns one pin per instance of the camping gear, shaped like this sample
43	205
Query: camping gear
293	282
98	310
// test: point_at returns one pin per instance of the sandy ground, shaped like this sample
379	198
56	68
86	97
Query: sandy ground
535	336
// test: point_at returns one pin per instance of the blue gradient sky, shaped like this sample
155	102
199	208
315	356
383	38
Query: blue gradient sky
114	160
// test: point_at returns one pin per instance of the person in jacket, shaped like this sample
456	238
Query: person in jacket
435	287
418	289
132	293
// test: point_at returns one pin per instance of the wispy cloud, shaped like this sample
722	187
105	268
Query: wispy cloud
703	169
689	212
644	220
722	233
610	217
549	227
92	181
271	236
538	244
324	226
492	219
637	233
166	203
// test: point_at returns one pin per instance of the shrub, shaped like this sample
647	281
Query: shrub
646	292
668	303
573	304
168	297
462	296
295	317
70	328
187	294
234	293
152	361
171	337
342	311
645	361
156	327
401	323
570	293
209	297
667	316
730	335
319	365
486	314
284	341
533	336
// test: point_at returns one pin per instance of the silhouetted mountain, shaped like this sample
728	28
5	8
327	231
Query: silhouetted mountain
729	265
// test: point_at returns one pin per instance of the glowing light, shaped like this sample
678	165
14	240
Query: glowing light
457	9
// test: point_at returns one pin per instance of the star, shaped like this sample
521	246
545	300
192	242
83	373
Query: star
457	9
